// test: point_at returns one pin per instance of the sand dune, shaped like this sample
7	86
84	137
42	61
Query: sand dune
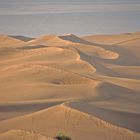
21	134
117	117
75	39
86	88
112	39
7	41
49	40
63	117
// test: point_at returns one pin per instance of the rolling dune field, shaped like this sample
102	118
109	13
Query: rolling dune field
85	87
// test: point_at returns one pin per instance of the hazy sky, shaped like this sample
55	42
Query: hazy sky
80	17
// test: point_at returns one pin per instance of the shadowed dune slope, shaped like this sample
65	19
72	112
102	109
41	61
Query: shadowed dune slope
22	38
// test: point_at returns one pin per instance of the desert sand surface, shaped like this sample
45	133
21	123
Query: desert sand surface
85	87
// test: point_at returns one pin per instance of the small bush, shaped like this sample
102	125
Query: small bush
62	137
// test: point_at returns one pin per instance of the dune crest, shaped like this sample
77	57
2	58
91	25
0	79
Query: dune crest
7	41
49	40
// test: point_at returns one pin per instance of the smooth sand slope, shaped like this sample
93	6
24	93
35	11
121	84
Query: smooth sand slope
86	88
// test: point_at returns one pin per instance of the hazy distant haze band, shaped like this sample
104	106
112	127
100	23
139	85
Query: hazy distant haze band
70	7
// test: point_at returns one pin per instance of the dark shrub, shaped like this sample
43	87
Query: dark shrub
62	137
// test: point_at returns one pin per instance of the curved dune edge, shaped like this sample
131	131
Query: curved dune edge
70	59
72	40
97	51
29	72
59	41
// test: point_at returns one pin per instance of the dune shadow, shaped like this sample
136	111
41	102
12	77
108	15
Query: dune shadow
32	47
